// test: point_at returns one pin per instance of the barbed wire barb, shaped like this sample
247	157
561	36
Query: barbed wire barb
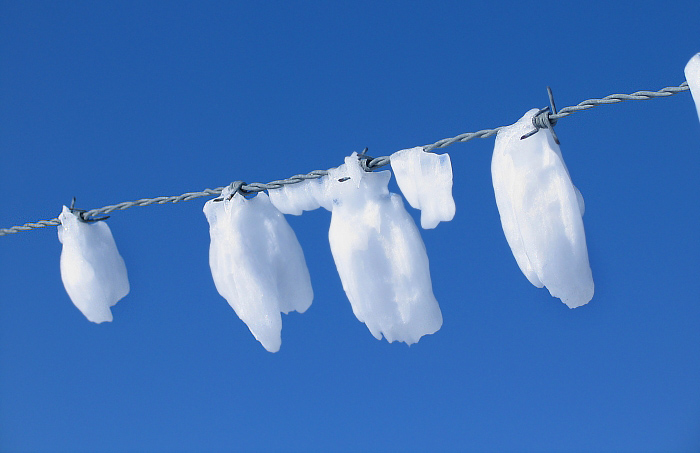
376	162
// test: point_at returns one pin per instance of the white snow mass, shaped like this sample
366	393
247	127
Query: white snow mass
425	179
692	75
302	196
257	264
541	212
93	272
380	256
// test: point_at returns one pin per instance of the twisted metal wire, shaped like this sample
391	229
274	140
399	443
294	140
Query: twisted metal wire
370	163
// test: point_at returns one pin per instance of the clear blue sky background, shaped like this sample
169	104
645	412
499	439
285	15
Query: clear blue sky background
114	101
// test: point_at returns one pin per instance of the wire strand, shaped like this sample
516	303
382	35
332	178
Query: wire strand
374	163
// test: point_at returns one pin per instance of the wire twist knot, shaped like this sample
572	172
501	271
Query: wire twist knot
233	188
365	160
543	119
82	214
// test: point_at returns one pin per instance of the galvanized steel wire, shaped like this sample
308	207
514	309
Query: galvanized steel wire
369	163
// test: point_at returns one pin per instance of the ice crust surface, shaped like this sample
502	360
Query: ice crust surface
541	212
92	270
692	76
257	264
425	179
380	256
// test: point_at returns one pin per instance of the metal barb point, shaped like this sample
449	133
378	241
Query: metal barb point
551	103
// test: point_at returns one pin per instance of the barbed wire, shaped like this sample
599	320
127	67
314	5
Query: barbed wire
369	163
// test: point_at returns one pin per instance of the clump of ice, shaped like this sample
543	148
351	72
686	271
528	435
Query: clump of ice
257	264
541	212
692	75
380	256
292	199
92	270
425	179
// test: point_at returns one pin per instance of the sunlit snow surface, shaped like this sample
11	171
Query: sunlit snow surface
425	179
380	256
92	270
541	212
257	264
692	75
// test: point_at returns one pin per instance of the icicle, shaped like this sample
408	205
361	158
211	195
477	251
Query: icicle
692	75
380	256
425	179
541	212
93	272
257	264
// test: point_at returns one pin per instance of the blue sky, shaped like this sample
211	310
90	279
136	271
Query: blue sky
114	101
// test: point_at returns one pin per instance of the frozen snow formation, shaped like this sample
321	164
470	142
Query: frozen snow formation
425	179
380	256
541	212
93	272
257	264
692	75
306	195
